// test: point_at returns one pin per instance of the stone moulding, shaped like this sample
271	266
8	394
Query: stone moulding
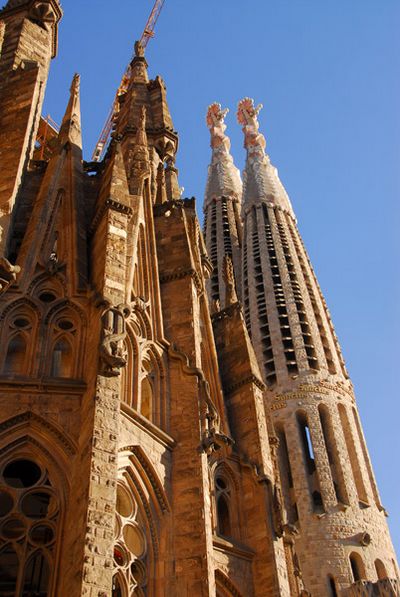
155	432
30	418
251	379
179	274
152	477
227	584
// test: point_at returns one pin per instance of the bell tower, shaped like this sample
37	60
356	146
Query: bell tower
329	488
28	42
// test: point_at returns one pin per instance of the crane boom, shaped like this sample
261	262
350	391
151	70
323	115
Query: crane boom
105	134
148	31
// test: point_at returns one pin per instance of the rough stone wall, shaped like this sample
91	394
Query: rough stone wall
24	65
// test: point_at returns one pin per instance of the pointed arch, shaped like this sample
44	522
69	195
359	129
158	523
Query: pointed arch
44	283
141	503
151	401
130	373
29	434
140	279
135	457
19	337
15	361
225	502
36	482
64	350
141	319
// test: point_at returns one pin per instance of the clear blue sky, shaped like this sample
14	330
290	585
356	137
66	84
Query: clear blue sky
327	73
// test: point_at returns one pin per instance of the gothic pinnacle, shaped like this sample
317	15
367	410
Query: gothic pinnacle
71	124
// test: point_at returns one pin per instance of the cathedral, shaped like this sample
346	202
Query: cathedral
176	418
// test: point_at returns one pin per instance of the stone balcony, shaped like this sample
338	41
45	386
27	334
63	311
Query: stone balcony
387	587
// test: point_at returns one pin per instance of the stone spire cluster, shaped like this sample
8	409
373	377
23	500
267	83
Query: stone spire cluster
329	491
156	439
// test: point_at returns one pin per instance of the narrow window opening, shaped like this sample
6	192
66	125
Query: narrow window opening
62	360
357	567
332	586
147	398
15	359
287	477
317	500
224	523
380	570
307	443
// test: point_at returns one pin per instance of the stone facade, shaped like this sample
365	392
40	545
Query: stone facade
332	505
143	448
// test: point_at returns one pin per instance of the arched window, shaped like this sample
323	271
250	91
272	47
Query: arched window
29	515
62	359
357	566
223	505
309	461
130	548
146	408
307	442
332	586
380	570
15	358
149	388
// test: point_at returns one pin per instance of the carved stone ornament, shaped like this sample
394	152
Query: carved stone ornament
216	123
8	274
43	13
112	355
139	49
229	279
247	116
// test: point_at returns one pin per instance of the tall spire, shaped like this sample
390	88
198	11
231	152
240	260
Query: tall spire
260	177
222	226
71	125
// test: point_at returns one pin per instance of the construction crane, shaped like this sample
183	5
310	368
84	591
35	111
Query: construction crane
105	134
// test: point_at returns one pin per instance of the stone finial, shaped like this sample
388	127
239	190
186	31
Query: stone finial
139	50
216	123
138	66
229	279
247	115
71	125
